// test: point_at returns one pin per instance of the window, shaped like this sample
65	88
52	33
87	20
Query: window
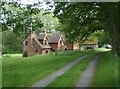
47	51
45	42
53	50
25	42
36	51
60	42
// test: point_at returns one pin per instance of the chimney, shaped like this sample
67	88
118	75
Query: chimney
31	34
43	31
30	29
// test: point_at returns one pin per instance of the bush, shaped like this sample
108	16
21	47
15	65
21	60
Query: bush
67	53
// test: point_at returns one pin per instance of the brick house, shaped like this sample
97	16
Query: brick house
45	43
42	43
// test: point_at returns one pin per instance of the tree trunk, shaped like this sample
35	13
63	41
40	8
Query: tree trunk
112	20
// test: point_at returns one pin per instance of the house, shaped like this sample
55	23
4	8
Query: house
73	46
89	44
42	43
45	43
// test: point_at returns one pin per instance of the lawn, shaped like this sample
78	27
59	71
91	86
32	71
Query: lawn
12	55
72	76
102	49
106	74
21	72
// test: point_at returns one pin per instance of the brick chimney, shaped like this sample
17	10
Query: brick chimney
31	33
43	31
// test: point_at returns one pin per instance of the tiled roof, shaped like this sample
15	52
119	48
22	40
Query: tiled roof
46	46
91	41
42	46
53	38
41	36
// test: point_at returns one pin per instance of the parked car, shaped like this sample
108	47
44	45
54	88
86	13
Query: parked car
107	46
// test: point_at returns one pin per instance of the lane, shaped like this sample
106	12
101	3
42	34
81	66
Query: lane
85	79
46	81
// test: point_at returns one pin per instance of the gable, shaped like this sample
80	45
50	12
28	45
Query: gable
41	36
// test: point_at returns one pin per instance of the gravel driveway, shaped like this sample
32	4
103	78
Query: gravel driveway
46	81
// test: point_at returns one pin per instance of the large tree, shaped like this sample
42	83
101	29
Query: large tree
79	20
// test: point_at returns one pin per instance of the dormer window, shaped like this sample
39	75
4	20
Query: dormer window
45	42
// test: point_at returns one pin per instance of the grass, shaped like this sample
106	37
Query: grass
106	73
102	49
69	52
71	77
12	55
22	72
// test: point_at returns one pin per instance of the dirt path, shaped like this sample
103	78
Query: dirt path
87	75
46	81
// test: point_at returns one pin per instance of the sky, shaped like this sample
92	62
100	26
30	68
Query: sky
44	6
32	1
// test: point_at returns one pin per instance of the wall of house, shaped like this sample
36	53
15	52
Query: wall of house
30	50
54	45
76	46
44	51
88	46
60	43
45	41
41	41
70	46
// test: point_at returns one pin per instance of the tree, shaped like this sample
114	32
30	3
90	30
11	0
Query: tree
79	20
102	36
111	11
49	22
17	17
11	42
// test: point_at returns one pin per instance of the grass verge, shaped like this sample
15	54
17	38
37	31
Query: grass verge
23	72
71	77
106	73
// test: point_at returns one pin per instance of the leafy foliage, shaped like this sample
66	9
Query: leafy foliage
79	20
11	43
49	21
17	18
